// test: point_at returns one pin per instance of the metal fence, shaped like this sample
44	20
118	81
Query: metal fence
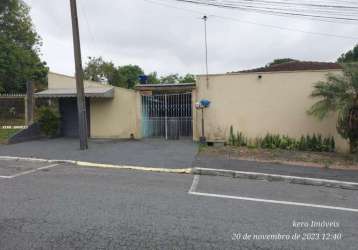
12	110
167	115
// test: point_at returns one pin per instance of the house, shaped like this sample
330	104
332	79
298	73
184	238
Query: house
111	111
271	99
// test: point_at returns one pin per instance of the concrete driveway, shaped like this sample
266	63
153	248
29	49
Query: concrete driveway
148	152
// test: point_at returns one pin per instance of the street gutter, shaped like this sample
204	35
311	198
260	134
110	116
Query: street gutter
205	171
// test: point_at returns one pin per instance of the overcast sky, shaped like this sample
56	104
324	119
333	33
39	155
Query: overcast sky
170	39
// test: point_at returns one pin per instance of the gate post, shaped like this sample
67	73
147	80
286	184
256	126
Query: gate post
166	116
29	103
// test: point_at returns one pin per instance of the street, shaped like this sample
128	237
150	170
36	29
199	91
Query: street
61	206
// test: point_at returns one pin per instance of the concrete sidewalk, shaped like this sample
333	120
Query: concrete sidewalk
224	163
147	153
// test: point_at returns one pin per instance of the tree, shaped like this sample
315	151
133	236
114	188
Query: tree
19	49
176	78
93	70
350	56
153	78
172	78
280	61
96	68
123	76
129	75
188	78
339	93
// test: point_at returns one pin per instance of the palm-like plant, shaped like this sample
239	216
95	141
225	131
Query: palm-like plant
339	93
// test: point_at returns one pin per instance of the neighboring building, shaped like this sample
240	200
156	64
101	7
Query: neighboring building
271	99
111	111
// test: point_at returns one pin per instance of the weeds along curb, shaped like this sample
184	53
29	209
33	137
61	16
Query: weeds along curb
276	177
101	165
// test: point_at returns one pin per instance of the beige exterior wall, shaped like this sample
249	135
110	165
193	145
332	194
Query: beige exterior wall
117	117
276	103
59	81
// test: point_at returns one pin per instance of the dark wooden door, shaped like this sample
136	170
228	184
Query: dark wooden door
69	117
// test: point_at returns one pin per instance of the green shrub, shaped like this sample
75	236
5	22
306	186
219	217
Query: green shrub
241	140
302	145
267	141
284	142
332	145
258	142
49	121
319	143
252	143
315	142
308	142
326	144
251	146
232	139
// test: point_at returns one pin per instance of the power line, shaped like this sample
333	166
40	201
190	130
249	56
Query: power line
201	12
175	7
254	23
87	23
299	4
289	29
352	11
267	9
288	5
94	41
273	11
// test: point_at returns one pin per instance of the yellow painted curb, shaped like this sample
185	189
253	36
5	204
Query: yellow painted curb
151	169
101	165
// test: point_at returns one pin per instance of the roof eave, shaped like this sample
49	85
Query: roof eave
47	94
151	87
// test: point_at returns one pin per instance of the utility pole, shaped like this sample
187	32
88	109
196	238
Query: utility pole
205	18
81	101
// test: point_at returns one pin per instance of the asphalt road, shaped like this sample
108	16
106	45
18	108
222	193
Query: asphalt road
70	207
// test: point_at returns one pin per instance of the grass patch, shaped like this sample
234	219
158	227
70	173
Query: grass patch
202	147
6	134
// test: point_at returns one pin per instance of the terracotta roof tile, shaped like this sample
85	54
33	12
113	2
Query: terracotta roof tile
295	66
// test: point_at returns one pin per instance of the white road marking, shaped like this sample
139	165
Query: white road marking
195	183
274	201
5	177
29	172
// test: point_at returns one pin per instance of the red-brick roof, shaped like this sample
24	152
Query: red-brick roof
295	66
